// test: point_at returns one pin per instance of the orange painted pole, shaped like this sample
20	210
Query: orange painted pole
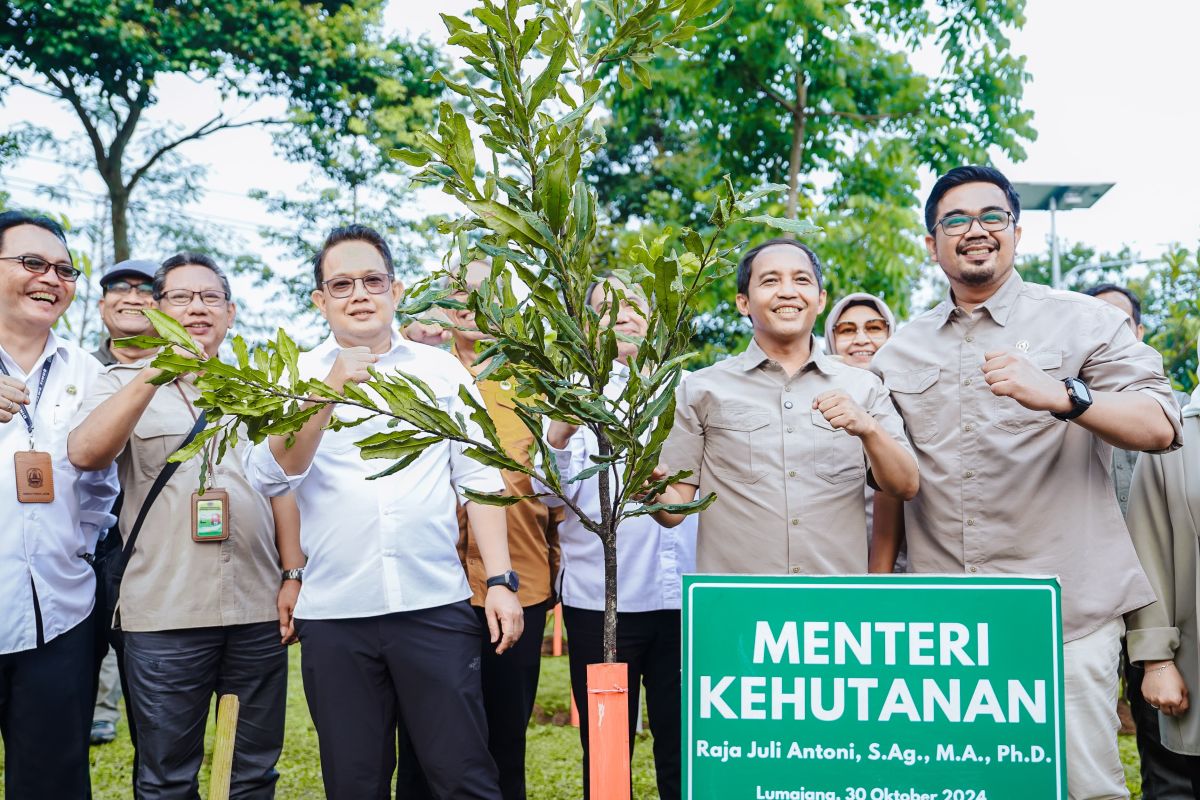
608	731
556	642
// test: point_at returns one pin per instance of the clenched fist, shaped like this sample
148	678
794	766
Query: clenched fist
843	413
350	367
1012	374
13	395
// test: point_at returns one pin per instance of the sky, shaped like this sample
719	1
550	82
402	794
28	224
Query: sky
1113	93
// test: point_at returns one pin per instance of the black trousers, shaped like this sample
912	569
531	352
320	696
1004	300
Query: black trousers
46	717
362	675
649	642
510	682
172	677
1166	775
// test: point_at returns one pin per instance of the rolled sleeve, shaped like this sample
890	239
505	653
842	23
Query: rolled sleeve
1121	363
1152	644
684	448
1152	631
264	473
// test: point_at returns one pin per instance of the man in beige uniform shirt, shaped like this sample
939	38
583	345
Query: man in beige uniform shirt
784	435
198	617
1014	395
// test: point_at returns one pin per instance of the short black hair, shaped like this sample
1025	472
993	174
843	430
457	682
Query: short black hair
188	260
747	262
351	233
12	219
971	174
1134	301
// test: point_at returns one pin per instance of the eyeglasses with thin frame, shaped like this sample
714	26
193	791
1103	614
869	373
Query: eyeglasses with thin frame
183	297
876	329
374	283
40	266
124	287
958	224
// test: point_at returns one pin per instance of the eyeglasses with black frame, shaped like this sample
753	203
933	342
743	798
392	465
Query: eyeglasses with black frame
40	266
374	283
125	287
183	297
992	221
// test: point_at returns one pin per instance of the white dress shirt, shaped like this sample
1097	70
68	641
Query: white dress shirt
387	545
43	544
651	559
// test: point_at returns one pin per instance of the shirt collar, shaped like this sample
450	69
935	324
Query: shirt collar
999	306
753	357
54	347
327	350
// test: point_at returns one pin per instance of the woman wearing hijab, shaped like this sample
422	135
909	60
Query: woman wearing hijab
1164	512
857	326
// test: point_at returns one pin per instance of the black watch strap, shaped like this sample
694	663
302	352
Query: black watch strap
508	580
1081	399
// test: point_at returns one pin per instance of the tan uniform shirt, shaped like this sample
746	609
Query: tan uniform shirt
789	487
1009	490
172	582
532	528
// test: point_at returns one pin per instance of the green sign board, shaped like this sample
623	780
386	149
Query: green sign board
882	687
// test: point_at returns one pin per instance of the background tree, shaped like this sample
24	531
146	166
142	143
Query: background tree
104	59
831	98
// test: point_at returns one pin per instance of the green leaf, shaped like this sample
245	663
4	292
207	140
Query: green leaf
548	80
798	227
414	158
486	499
141	342
172	331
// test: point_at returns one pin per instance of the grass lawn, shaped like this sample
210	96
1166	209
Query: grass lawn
552	762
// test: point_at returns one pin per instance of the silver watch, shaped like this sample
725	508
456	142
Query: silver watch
296	574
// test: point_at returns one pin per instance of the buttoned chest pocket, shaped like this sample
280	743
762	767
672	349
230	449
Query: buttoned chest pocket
914	395
1013	417
837	456
733	444
155	438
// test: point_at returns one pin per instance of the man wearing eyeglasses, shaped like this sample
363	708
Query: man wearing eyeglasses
383	617
52	514
197	604
1014	395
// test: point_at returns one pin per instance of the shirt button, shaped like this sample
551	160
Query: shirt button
966	381
787	388
969	474
972	568
970	338
971	522
969	427
795	520
795	570
1123	498
791	473
789	428
787	403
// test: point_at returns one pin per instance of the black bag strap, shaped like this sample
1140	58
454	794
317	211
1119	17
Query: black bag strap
167	471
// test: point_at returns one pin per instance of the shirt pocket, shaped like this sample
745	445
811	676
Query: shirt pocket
837	456
917	404
155	438
1013	417
733	443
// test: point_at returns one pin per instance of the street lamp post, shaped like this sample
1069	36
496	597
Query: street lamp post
1055	197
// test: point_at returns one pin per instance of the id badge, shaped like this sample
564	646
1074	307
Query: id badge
210	516
35	476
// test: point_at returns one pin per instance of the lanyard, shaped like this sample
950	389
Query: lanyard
209	451
37	398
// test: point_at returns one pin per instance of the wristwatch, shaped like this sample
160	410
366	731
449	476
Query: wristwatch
508	580
296	574
1081	399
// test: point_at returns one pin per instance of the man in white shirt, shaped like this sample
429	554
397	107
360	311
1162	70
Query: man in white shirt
383	619
52	513
651	561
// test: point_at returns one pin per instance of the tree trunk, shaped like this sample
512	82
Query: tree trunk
608	538
118	197
799	123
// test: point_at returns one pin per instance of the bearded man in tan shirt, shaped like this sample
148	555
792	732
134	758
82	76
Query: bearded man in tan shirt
1014	395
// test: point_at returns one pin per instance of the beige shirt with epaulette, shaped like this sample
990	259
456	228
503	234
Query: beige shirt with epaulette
1007	490
171	581
789	486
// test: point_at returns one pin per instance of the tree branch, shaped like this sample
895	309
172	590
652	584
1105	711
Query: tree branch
774	95
206	129
67	92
